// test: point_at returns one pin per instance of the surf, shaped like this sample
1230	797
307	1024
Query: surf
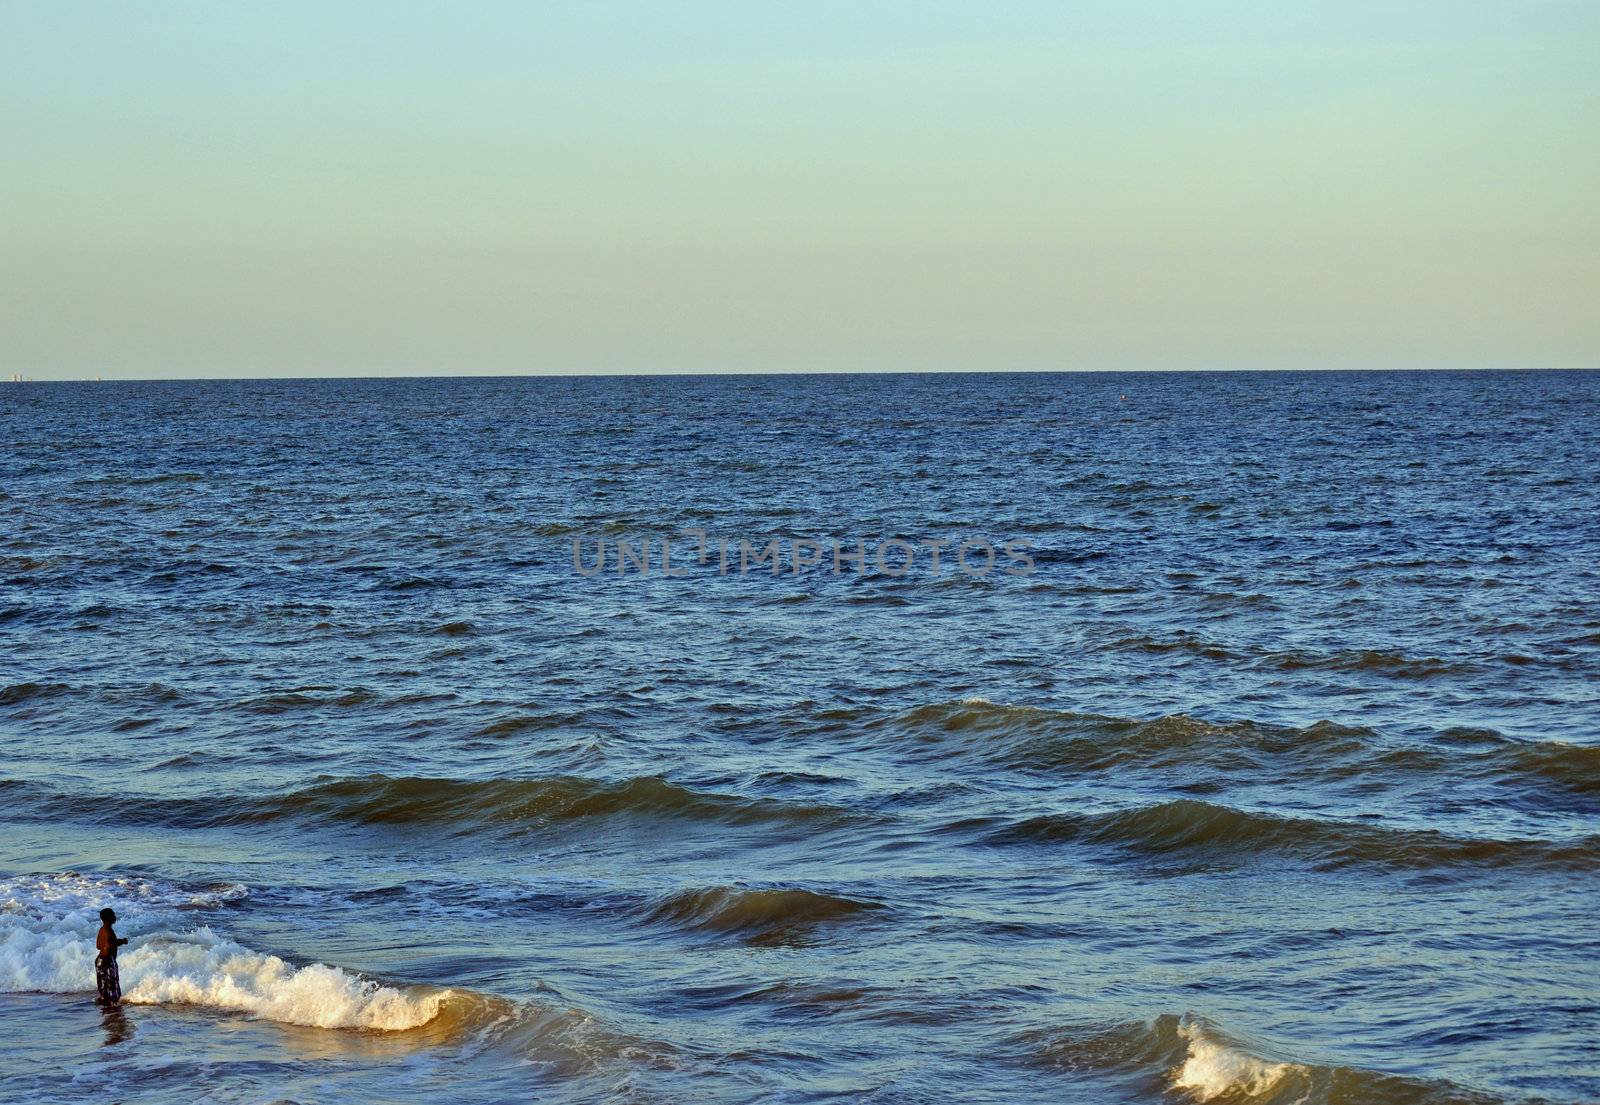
47	926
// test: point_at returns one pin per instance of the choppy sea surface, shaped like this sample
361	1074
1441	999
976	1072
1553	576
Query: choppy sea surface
1275	779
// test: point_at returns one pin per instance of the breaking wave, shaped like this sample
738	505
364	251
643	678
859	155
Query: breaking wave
1193	1057
47	927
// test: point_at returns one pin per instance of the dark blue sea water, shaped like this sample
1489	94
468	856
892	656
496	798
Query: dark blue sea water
1268	772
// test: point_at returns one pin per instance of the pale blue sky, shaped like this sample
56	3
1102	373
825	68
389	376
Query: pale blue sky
358	188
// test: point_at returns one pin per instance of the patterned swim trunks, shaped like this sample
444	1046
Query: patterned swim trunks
106	979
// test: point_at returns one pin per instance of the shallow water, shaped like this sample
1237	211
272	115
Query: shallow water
1277	779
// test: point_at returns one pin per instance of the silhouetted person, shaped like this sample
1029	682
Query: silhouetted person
106	944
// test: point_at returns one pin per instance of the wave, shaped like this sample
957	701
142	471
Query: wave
18	693
763	915
379	798
528	723
1186	825
307	698
1035	739
1181	643
1393	664
1192	1056
1569	767
466	803
47	927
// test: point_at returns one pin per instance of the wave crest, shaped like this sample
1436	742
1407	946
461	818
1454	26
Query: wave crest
47	927
380	798
1053	742
1214	1066
201	968
1215	831
769	915
463	803
1195	1057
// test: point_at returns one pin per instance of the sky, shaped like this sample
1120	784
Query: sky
354	188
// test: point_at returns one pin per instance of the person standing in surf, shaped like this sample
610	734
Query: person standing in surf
106	944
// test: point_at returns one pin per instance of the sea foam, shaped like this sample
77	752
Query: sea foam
1212	1067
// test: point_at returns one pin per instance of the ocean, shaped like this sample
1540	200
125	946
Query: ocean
620	740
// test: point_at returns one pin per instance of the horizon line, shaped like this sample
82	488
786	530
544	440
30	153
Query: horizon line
18	378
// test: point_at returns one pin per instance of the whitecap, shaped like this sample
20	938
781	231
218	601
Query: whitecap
1212	1067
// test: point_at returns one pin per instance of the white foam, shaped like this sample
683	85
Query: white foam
71	893
204	969
47	926
1212	1067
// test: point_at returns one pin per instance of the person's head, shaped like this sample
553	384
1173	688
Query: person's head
108	915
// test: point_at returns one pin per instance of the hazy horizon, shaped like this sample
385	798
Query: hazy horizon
261	191
656	373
